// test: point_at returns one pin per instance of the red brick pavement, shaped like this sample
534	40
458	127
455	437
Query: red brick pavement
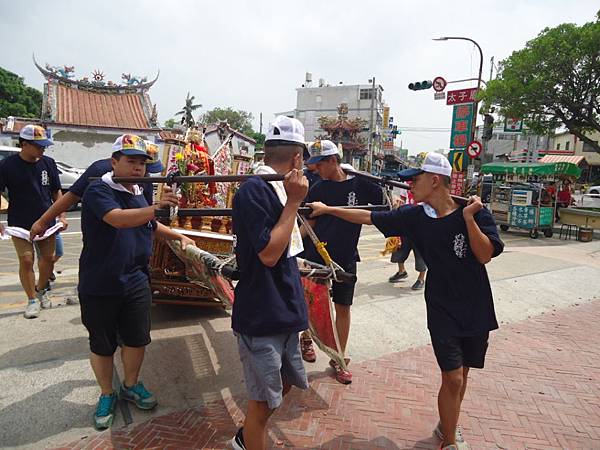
540	390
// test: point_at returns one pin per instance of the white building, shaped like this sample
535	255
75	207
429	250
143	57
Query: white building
323	99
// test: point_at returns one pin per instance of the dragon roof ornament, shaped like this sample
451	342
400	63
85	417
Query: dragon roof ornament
66	75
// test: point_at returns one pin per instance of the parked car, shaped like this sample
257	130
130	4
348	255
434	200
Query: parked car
594	190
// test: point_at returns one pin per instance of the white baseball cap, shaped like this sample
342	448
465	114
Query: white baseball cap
320	150
433	163
285	128
36	135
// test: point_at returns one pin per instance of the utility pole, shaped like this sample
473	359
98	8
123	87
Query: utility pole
260	128
371	128
491	68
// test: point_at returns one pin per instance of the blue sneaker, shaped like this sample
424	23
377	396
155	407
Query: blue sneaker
138	395
105	411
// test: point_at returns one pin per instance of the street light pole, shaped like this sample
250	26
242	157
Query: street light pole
447	38
371	127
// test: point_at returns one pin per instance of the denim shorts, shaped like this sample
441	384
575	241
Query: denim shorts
270	362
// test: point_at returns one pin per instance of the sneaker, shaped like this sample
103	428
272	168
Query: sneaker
308	351
71	301
238	440
341	375
397	277
105	411
458	446
44	299
418	285
138	395
458	437
32	310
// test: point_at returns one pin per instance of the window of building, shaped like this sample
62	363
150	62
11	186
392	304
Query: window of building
558	146
366	94
588	148
567	145
318	99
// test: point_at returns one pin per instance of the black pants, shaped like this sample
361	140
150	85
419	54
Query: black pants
125	317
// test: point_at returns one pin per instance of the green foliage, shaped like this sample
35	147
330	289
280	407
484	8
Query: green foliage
554	81
238	120
259	138
187	111
170	123
17	99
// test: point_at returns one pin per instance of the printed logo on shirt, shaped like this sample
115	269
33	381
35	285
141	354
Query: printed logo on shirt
352	199
45	178
460	245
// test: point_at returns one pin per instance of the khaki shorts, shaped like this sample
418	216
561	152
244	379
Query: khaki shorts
25	248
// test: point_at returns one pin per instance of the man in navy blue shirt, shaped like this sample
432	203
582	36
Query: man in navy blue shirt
114	290
456	242
76	191
337	189
269	309
33	185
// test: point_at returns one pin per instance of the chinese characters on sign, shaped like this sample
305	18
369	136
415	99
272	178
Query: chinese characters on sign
462	121
523	216
456	183
461	96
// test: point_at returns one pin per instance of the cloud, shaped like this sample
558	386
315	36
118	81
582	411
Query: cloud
252	55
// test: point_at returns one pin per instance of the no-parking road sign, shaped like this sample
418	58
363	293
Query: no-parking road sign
474	149
439	84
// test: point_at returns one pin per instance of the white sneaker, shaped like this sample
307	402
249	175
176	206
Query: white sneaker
437	432
44	299
33	309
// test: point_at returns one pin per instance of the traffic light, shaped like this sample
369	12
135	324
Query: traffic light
420	85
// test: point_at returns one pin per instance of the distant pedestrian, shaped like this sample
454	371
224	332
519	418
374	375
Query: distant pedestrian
400	255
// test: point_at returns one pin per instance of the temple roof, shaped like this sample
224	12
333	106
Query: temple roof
96	103
71	106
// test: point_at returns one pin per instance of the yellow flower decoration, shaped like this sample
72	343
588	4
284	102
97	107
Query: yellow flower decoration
179	157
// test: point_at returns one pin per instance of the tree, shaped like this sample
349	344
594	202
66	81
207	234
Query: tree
554	81
187	111
170	123
238	120
17	99
259	138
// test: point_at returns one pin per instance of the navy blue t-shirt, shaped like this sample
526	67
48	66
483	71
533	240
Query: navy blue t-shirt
113	261
341	236
30	188
268	300
312	177
97	169
457	291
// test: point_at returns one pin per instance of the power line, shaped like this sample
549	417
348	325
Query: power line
424	129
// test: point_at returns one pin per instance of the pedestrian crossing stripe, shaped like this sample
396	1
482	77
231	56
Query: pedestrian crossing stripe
457	161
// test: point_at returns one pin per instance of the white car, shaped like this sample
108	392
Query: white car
594	190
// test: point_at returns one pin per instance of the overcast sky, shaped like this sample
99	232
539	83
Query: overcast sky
251	55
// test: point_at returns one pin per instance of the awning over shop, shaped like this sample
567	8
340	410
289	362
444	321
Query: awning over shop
558	168
574	159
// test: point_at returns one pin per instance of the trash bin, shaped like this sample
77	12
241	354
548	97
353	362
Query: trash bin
585	234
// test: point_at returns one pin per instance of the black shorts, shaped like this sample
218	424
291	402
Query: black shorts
455	352
125	317
343	293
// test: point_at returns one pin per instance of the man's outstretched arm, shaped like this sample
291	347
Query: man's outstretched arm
359	216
